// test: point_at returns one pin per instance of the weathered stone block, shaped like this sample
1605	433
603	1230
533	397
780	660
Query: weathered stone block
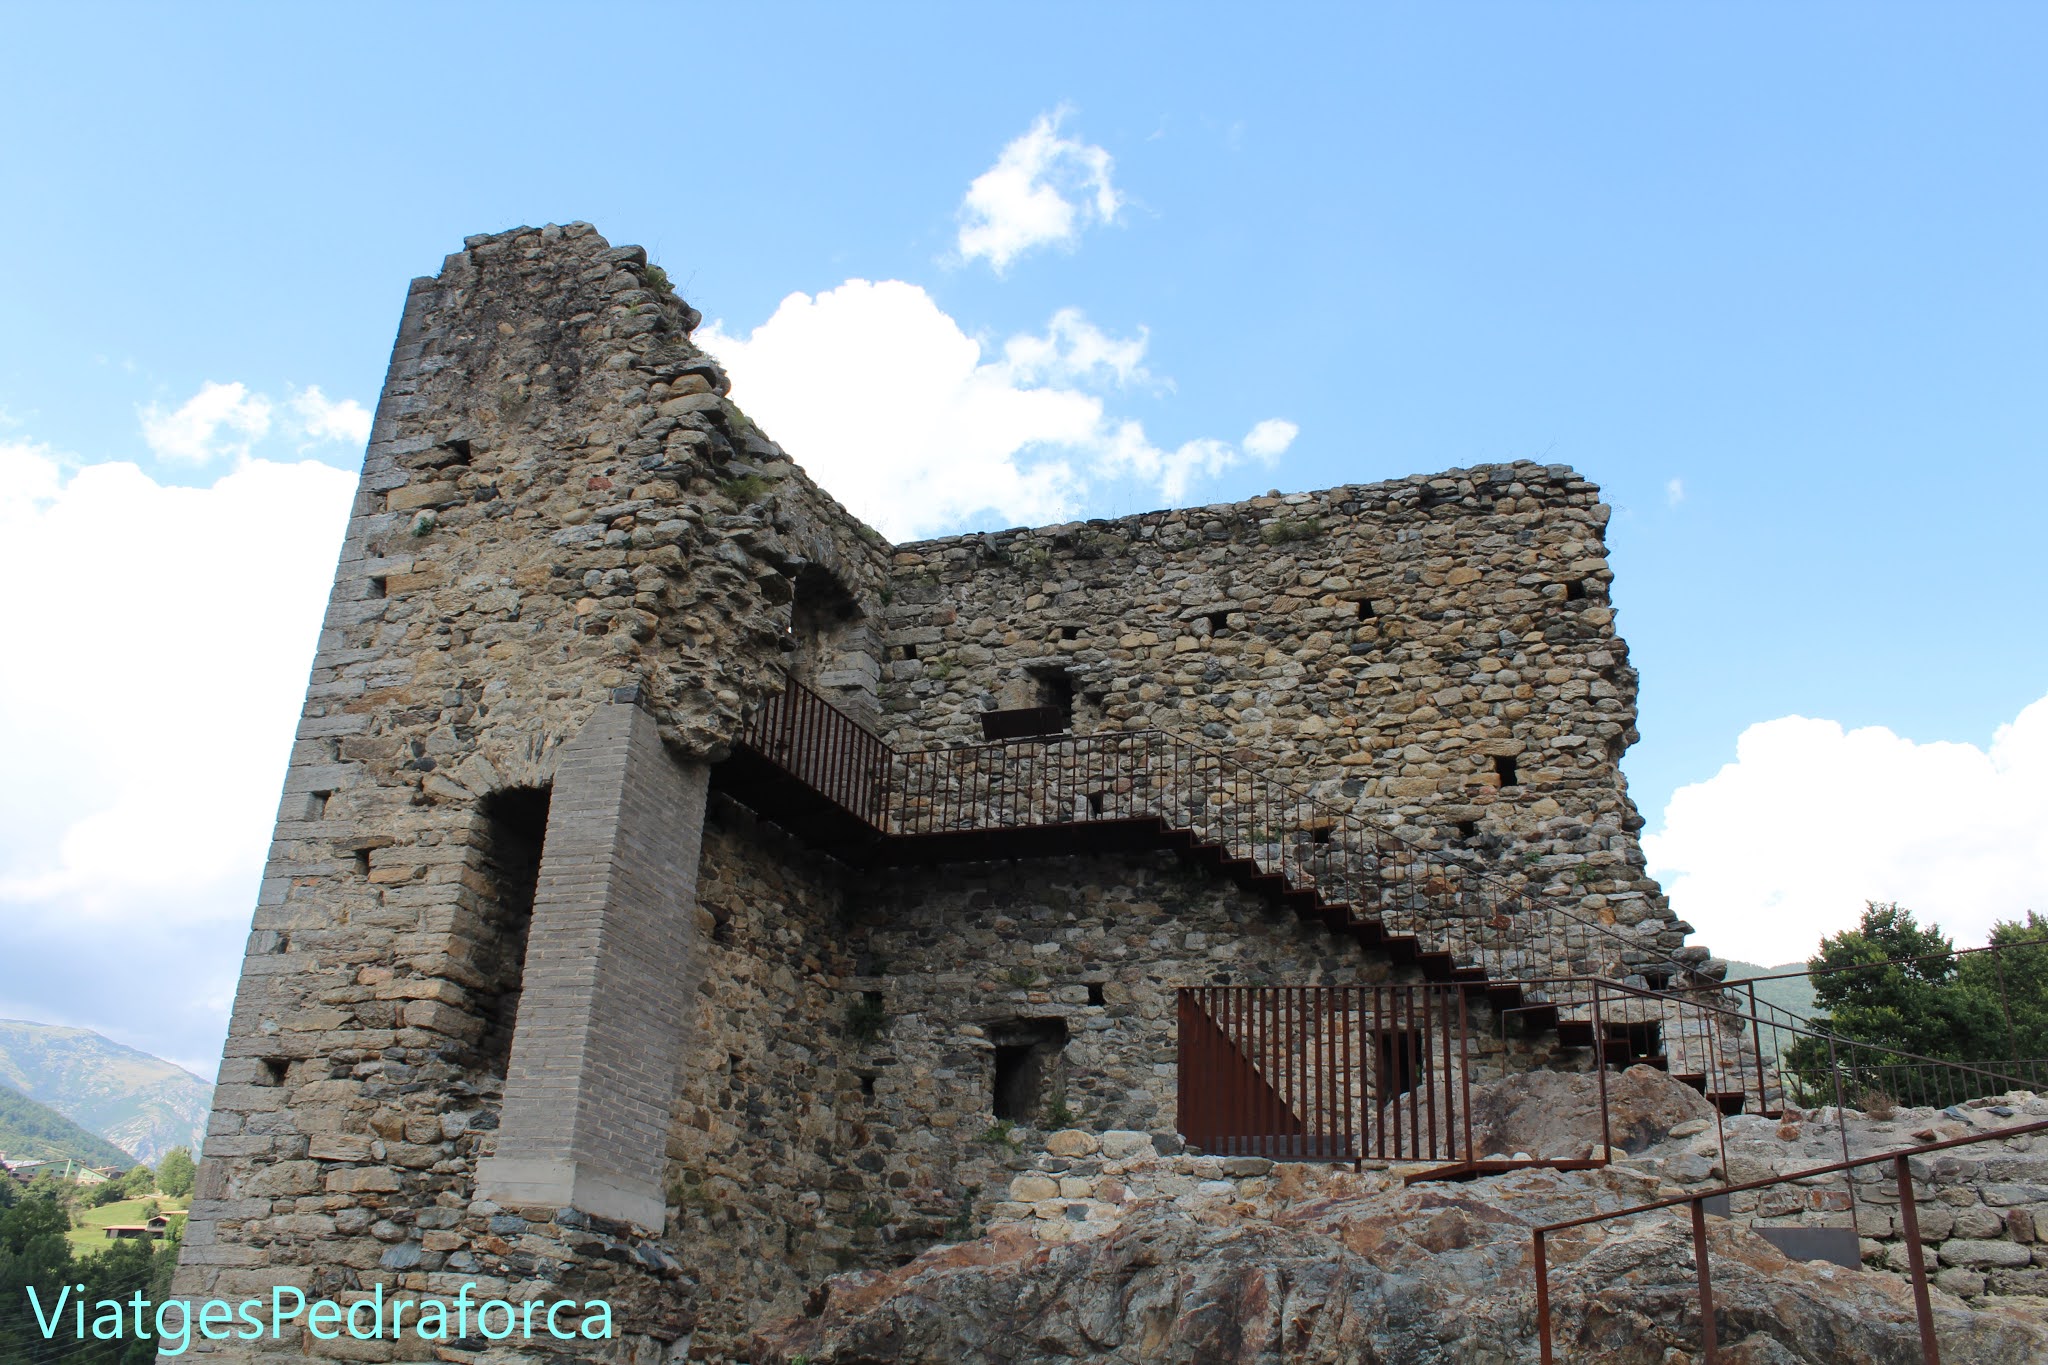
1976	1254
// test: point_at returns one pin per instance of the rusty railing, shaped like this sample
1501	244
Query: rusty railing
1378	882
1326	1073
824	748
1901	1159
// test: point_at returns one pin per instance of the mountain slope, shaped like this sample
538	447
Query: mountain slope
35	1131
143	1104
1793	994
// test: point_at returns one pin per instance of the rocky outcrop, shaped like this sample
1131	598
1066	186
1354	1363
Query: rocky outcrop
1357	1268
1557	1114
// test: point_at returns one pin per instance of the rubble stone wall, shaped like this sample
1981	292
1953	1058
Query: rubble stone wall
558	508
1438	652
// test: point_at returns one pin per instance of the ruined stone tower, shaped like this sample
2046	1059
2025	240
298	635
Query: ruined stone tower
543	992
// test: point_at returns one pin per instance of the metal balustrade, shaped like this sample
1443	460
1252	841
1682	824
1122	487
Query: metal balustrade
1326	1073
815	769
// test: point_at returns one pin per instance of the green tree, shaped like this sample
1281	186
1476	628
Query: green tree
104	1193
176	1174
34	1252
2016	977
1895	992
138	1182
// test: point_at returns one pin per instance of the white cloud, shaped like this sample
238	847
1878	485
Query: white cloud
227	420
1074	349
1674	492
1786	843
321	419
1269	440
221	419
158	644
938	436
1042	191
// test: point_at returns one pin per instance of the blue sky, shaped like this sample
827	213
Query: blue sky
1774	278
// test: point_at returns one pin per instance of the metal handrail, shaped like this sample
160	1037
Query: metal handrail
1901	1158
1283	828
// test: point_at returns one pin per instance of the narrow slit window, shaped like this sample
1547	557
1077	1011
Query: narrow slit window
1365	611
1575	590
1505	766
316	805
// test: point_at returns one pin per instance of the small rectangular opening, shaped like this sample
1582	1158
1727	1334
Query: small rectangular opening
1026	1066
453	452
1402	1062
274	1070
1505	766
377	585
1575	590
1219	623
1468	829
362	859
1319	835
1095	803
867	1085
908	651
1095	993
1070	632
1365	611
316	805
1056	691
1054	713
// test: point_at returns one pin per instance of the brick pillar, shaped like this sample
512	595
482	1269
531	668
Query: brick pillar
599	1037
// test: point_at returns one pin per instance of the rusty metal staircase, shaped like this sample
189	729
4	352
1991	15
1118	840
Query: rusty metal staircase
804	764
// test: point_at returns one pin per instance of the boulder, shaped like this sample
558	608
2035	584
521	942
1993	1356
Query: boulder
1557	1114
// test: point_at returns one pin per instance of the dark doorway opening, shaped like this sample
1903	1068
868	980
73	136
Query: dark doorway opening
515	825
1402	1062
1027	1062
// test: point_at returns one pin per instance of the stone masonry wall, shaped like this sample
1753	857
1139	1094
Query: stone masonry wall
1393	646
557	506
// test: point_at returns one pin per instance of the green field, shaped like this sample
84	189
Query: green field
90	1236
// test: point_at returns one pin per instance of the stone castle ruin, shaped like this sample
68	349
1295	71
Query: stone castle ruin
680	894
